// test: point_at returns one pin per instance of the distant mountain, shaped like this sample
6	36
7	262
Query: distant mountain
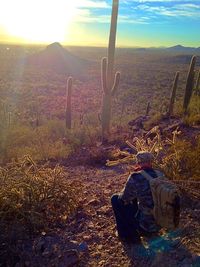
58	59
183	49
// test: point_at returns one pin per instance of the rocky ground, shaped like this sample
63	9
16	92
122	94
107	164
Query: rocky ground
89	237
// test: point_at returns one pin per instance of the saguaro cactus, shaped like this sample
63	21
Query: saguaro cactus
189	84
173	94
68	113
110	82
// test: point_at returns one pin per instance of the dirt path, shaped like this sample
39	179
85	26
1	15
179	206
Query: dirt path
95	226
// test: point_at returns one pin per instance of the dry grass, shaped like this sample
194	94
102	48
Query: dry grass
35	197
175	156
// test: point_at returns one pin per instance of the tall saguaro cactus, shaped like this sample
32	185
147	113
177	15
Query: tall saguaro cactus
110	81
68	112
189	84
173	94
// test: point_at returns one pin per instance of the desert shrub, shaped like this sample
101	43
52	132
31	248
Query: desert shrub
14	137
42	143
192	120
193	116
83	135
176	157
55	129
35	197
48	141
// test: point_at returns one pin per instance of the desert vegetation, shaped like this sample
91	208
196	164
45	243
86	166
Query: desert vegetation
46	121
68	120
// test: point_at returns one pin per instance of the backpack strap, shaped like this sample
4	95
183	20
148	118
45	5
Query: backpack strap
149	177
146	175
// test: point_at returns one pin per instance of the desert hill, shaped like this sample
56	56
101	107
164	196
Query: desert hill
59	59
183	49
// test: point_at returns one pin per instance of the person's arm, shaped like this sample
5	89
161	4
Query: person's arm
129	192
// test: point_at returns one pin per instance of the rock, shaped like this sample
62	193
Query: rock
93	202
101	263
91	225
99	247
87	237
138	122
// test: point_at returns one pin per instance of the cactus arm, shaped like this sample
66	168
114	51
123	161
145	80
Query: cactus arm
116	83
173	94
103	74
189	84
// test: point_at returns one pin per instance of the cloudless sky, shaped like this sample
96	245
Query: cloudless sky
86	22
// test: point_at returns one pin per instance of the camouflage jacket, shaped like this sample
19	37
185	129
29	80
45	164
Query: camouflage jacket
137	187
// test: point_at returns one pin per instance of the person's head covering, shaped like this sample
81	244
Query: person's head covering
144	157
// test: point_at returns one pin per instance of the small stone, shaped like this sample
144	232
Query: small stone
91	225
93	202
87	237
101	263
100	247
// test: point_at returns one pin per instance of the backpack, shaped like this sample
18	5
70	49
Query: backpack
166	200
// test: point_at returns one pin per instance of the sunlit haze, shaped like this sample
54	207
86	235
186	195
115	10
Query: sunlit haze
86	22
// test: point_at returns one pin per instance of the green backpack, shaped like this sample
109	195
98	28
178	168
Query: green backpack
166	200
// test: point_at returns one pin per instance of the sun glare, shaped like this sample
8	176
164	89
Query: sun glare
38	21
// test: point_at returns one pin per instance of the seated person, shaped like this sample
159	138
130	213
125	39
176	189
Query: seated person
133	207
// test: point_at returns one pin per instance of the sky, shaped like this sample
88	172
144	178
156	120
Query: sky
143	23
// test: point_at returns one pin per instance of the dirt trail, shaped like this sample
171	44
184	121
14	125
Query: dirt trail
95	225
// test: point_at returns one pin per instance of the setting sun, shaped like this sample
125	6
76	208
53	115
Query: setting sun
38	21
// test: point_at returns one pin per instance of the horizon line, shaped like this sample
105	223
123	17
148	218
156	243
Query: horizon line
94	46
